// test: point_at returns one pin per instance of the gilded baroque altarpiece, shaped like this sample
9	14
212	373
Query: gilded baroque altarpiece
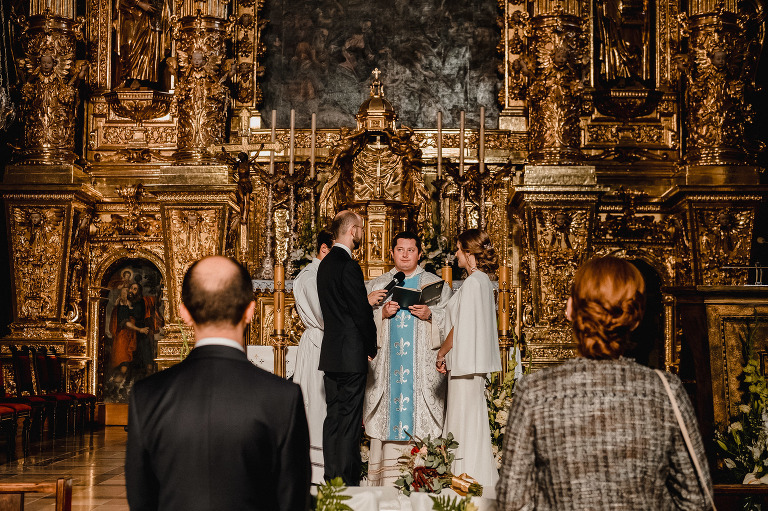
616	128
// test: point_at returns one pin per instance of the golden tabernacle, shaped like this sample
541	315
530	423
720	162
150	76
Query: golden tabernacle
145	135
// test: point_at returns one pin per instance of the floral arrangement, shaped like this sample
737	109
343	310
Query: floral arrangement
365	455
436	249
743	445
305	248
427	466
499	390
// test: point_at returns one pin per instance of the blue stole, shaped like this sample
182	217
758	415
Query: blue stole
402	328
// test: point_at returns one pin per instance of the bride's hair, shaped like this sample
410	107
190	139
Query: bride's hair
477	243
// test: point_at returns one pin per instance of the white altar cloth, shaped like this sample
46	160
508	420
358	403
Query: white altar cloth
386	498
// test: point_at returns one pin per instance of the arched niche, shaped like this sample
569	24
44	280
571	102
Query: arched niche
131	316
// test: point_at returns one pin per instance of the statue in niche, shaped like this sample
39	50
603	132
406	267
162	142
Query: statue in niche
560	237
142	29
625	52
369	166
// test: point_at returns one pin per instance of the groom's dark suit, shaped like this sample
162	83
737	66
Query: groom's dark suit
349	338
215	432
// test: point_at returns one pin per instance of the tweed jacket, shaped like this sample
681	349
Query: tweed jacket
599	435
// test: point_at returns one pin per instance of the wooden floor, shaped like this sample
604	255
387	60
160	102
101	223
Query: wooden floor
94	462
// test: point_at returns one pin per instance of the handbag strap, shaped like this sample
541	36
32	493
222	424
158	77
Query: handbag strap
687	438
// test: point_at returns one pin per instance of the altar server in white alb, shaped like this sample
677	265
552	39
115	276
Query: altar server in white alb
307	375
470	351
404	393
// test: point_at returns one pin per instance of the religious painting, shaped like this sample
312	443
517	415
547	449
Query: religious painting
434	55
133	322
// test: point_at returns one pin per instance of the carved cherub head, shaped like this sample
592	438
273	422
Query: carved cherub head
47	63
192	219
725	220
561	221
197	59
718	57
560	57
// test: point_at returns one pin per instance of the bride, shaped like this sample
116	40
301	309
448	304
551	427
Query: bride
469	352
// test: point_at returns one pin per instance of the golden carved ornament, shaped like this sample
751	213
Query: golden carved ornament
49	74
201	92
37	236
725	238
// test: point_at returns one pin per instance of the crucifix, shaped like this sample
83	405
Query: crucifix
378	164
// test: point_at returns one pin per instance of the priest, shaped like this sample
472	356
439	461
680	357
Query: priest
307	375
404	395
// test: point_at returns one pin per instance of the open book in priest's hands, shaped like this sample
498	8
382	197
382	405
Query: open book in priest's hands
428	295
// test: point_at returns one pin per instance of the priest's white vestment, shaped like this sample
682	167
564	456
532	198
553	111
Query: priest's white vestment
429	385
307	375
471	312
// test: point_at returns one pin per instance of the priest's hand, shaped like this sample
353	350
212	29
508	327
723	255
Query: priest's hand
390	309
422	312
375	297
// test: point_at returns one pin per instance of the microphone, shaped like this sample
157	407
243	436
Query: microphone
397	279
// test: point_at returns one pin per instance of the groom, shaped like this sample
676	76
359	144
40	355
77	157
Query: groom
349	342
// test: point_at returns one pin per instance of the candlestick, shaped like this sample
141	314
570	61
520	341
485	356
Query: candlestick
461	143
313	141
439	145
504	299
481	143
279	298
447	274
291	142
272	139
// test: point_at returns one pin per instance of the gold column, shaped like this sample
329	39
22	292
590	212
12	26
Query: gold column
49	96
723	48
201	92
558	45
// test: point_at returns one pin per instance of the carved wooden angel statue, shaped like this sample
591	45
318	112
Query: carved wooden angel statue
49	96
203	97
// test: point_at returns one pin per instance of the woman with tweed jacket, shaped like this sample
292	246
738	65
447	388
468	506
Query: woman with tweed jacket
598	432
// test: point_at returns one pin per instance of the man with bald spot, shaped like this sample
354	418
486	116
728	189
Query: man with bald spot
216	432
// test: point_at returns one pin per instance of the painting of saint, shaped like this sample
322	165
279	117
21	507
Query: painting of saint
134	323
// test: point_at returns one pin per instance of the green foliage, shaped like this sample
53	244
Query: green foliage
330	497
445	503
427	466
499	390
742	445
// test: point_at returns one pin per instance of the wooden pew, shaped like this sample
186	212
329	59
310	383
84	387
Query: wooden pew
12	494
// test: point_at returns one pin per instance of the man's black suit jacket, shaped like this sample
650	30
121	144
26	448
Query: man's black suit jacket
349	336
215	432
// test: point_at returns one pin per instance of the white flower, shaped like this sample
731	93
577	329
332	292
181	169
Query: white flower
364	453
498	403
744	408
736	426
729	463
752	478
502	417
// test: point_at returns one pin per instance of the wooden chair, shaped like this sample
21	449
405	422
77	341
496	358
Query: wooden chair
26	388
58	385
8	426
12	494
45	387
31	410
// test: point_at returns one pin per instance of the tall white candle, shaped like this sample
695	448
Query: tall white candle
272	139
439	145
461	143
481	143
313	141
291	142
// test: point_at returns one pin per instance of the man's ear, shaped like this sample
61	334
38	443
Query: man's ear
569	309
249	312
186	317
